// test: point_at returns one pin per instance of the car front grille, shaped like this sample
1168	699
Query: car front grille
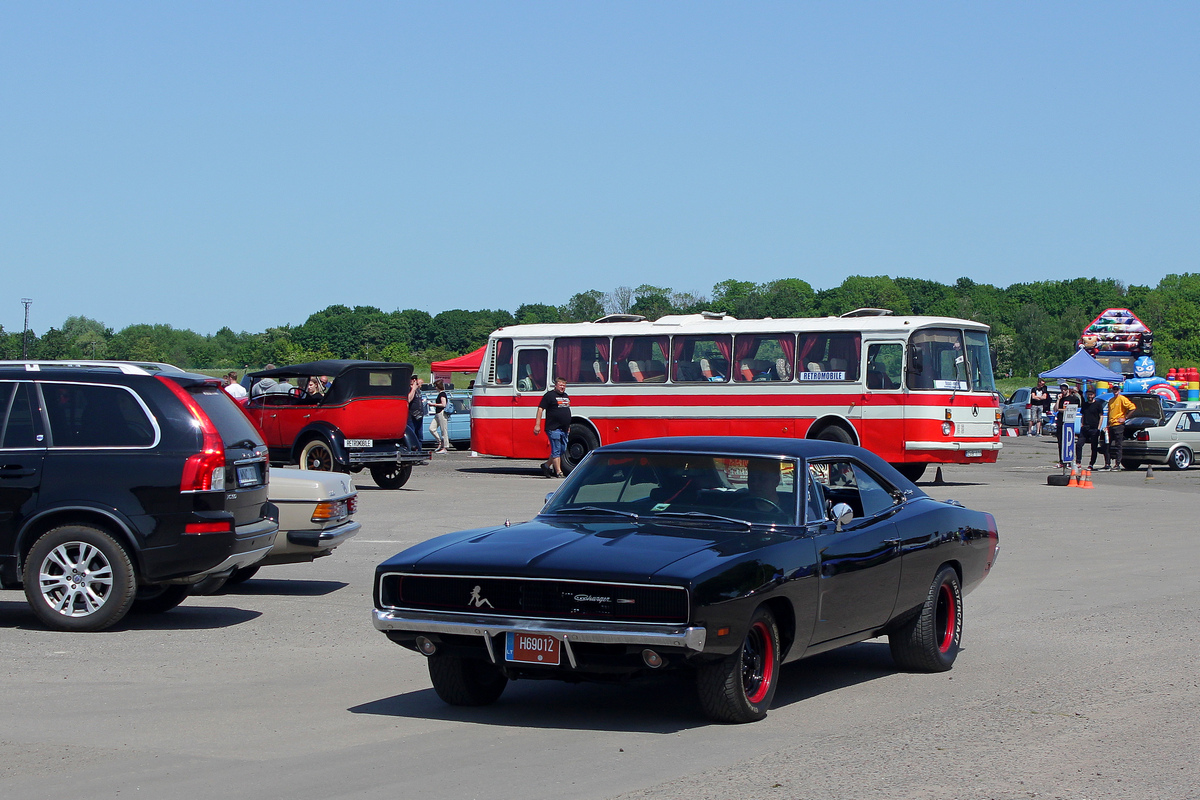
541	598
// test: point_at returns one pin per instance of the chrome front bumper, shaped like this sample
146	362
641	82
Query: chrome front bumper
566	631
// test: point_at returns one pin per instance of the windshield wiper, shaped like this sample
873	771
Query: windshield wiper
700	516
595	510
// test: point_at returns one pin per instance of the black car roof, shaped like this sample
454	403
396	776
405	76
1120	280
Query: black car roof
764	446
331	367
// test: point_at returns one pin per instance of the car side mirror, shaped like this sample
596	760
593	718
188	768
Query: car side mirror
548	496
842	514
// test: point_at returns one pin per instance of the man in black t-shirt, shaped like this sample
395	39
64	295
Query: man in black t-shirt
1039	404
556	406
1092	410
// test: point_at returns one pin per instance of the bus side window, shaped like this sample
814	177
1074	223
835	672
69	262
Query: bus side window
502	363
884	362
531	369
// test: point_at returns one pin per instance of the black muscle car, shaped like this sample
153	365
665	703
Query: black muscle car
720	556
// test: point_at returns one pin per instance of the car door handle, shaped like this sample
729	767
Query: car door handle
895	543
306	416
15	471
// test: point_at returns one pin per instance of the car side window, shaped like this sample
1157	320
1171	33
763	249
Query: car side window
1189	422
847	482
86	415
18	418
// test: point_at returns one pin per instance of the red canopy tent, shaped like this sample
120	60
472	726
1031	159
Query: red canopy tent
468	363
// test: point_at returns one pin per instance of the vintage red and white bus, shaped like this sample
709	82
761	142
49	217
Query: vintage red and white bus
915	390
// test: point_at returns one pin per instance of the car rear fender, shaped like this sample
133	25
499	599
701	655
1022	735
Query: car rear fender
106	519
321	430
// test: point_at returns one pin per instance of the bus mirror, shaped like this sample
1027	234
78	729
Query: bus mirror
916	362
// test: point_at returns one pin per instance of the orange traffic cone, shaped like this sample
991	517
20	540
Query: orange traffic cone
1074	482
1086	483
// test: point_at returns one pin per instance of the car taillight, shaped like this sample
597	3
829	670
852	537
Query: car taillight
352	505
328	510
204	471
1142	436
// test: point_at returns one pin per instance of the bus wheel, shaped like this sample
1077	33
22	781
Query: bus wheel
581	440
835	434
912	471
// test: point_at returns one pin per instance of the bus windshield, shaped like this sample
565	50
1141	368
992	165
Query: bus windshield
979	357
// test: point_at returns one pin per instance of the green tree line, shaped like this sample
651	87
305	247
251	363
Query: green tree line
1034	325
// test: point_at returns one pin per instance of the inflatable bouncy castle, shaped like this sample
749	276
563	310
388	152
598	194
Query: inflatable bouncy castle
1123	343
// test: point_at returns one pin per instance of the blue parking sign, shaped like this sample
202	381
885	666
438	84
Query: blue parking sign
1068	444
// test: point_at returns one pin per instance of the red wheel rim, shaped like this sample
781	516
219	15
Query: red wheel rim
758	662
947	617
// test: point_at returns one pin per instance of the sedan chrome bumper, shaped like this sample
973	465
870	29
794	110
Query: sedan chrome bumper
326	539
566	631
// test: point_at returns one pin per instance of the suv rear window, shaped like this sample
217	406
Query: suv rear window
225	414
90	415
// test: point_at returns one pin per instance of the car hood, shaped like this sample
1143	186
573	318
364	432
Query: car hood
623	550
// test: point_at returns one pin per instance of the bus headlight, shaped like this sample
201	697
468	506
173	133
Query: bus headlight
995	429
947	428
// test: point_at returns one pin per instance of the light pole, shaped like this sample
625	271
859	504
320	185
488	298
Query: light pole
27	301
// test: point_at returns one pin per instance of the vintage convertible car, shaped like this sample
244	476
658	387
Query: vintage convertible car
720	556
357	421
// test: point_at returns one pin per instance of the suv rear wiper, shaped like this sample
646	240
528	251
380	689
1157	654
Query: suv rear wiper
701	516
596	510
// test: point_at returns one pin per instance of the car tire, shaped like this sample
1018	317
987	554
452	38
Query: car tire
928	641
1130	464
833	433
318	455
1181	458
241	575
581	440
461	445
912	471
159	598
1021	424
390	476
465	681
740	687
79	578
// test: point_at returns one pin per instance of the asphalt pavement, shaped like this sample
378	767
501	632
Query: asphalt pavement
1077	677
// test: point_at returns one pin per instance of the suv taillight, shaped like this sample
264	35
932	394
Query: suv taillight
204	471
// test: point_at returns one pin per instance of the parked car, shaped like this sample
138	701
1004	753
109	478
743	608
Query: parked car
718	557
1173	443
123	484
315	514
358	421
458	422
1016	411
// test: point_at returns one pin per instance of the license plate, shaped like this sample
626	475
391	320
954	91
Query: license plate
247	476
531	648
359	442
974	454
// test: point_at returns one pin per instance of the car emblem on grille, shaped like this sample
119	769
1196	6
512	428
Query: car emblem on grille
478	600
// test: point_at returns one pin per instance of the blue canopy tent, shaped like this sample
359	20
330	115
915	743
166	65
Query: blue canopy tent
1082	366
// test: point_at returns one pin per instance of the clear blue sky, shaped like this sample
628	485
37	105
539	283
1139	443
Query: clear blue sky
246	164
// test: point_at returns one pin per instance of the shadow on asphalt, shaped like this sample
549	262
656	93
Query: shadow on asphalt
520	472
658	704
17	615
287	588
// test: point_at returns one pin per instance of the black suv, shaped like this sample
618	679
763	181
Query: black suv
120	485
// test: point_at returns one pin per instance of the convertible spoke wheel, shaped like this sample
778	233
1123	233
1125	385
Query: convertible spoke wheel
391	476
317	455
465	681
740	687
1181	458
928	641
79	578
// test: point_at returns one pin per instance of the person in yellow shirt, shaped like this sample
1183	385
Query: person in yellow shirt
1119	409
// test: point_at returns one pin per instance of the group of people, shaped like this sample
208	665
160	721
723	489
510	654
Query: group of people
1102	423
439	426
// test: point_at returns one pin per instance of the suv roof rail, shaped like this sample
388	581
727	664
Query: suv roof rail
124	367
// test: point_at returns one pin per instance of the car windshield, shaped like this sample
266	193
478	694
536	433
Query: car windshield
712	489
